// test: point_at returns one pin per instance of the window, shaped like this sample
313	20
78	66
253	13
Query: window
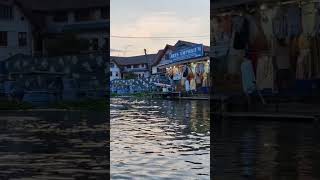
129	66
110	74
60	17
6	12
104	13
117	74
3	38
136	66
95	44
112	65
22	37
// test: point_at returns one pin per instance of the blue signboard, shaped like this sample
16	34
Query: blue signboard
188	53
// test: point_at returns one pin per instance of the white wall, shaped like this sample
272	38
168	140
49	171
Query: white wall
163	60
114	70
13	27
154	69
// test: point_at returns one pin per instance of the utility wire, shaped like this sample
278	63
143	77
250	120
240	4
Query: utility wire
159	37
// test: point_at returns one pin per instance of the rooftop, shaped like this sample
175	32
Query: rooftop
123	61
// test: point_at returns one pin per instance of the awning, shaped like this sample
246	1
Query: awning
184	62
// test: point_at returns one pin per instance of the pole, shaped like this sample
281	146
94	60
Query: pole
148	61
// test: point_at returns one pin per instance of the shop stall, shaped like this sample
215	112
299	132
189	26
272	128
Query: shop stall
188	69
279	38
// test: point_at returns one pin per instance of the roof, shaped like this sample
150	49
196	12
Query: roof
123	61
180	42
57	5
218	5
162	52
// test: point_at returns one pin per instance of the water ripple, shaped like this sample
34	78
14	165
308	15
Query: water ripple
159	139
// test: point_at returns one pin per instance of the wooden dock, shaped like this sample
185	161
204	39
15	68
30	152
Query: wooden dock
276	108
269	116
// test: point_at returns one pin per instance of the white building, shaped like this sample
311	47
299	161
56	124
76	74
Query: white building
29	26
135	65
15	30
115	71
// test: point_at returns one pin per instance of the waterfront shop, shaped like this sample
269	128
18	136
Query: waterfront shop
187	67
277	40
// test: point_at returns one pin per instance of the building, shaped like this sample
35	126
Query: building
159	57
187	64
85	19
46	27
16	30
138	66
115	71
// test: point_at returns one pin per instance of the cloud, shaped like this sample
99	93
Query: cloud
115	50
160	24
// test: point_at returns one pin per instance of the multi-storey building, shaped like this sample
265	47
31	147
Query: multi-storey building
31	26
15	30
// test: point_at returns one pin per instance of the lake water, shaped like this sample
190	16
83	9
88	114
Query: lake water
160	139
266	150
53	145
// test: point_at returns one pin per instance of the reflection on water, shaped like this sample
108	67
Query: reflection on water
53	145
160	139
266	150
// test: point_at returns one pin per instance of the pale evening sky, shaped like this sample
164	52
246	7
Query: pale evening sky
157	18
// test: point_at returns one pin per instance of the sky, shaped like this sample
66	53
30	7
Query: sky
157	22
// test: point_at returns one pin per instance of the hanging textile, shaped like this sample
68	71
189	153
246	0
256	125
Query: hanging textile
315	55
248	78
185	71
198	79
193	85
294	52
187	85
253	28
279	24
176	74
227	25
294	21
265	73
304	65
316	29
205	80
183	81
241	36
281	53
